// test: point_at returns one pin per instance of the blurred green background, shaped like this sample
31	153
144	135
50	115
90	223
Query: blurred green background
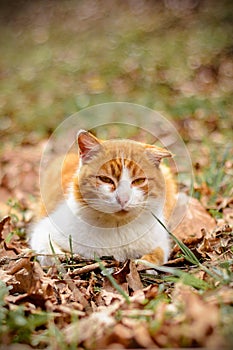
58	57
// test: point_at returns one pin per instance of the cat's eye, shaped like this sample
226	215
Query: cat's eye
106	180
139	182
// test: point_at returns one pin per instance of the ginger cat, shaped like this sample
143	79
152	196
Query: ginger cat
101	200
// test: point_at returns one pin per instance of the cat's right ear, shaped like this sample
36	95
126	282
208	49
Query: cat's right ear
88	144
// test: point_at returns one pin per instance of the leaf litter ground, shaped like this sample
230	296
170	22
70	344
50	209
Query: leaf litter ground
89	304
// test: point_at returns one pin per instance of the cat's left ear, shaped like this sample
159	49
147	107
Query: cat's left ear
156	154
88	144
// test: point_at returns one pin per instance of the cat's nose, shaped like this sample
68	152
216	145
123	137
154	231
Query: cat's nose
123	200
123	193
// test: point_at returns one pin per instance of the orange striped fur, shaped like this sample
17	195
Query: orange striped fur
60	176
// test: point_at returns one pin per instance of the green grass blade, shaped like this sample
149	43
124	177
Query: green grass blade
188	254
185	277
57	261
71	248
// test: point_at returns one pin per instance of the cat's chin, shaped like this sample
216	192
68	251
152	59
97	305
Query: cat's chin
127	214
122	212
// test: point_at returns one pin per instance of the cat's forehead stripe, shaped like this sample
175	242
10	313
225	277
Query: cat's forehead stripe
116	166
132	167
113	167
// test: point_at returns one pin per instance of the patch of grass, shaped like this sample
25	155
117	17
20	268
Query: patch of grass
15	324
215	177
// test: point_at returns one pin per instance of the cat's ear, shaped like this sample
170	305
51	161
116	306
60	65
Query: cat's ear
156	154
88	144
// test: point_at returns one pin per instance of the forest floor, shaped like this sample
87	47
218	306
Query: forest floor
55	61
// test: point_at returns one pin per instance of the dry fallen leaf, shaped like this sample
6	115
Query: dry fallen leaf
91	327
133	277
120	274
120	334
3	222
196	218
142	336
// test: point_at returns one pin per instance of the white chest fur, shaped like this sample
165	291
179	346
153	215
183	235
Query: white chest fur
66	224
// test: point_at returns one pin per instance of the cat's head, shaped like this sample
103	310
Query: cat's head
119	177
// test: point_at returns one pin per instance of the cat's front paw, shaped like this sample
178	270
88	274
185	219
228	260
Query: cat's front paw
156	257
146	262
